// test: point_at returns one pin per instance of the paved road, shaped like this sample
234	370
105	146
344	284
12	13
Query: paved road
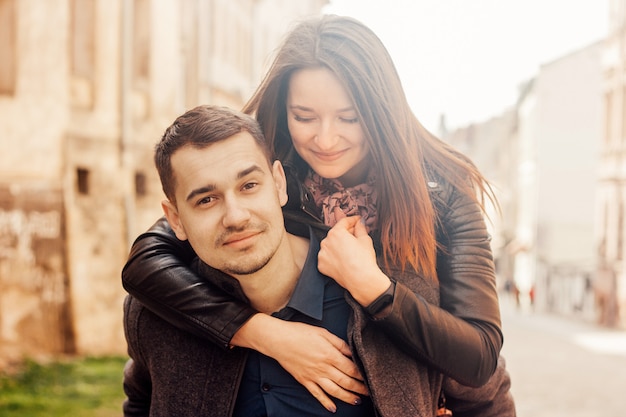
563	367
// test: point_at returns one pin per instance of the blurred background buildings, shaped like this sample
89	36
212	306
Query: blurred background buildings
86	89
558	163
543	158
88	86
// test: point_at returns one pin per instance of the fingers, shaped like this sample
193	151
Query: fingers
351	385
321	362
342	347
347	222
342	379
346	375
337	385
360	229
339	214
319	394
341	393
344	362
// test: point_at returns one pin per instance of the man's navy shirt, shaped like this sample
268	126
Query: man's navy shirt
266	389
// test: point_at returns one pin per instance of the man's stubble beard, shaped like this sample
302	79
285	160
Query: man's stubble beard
249	265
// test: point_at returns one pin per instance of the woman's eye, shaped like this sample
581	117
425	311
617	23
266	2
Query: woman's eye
302	119
350	120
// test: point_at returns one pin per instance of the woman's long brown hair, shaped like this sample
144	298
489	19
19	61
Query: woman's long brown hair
405	155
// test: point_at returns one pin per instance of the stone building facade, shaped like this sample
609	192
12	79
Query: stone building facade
86	89
611	198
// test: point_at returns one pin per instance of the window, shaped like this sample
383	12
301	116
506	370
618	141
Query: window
82	181
141	184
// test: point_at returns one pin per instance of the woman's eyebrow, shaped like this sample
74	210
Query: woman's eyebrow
304	108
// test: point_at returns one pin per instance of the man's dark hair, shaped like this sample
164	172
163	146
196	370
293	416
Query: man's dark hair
198	128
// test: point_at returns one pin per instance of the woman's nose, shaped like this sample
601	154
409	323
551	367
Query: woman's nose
327	137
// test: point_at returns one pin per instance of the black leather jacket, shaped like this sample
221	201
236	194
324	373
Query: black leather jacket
461	336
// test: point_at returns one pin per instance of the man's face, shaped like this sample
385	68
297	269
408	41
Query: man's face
229	204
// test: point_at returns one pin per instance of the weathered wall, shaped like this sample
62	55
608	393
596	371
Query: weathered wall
35	315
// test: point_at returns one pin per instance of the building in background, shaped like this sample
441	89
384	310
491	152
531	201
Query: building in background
543	157
611	198
561	118
86	89
491	146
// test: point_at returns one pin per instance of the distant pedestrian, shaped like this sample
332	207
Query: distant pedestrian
605	295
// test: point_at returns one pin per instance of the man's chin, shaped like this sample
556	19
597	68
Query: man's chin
246	268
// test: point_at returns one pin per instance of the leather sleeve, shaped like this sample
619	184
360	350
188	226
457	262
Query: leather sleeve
158	274
461	337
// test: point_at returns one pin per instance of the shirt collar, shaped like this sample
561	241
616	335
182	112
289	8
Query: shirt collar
308	295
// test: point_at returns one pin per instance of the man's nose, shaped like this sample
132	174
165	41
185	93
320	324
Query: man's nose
235	213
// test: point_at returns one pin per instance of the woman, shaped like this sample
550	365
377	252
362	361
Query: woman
418	266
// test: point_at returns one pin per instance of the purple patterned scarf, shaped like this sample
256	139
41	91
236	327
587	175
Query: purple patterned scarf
336	202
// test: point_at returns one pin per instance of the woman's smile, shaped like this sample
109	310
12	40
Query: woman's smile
324	125
329	156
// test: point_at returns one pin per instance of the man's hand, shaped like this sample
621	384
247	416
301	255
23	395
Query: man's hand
316	358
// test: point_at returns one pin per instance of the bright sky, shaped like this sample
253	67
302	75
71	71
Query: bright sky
466	58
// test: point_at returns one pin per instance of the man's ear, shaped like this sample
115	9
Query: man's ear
281	182
171	213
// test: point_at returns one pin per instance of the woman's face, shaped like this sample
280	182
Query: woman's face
324	126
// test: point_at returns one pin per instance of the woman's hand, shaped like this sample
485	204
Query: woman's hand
316	358
347	255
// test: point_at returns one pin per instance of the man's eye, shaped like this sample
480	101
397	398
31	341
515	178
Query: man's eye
205	200
250	185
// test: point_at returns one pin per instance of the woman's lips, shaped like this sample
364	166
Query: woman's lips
329	156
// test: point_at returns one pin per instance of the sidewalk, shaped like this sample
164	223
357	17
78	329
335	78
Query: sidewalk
561	367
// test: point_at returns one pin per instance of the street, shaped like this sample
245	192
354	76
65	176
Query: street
563	367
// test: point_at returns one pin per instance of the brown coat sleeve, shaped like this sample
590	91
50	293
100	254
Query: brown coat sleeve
494	399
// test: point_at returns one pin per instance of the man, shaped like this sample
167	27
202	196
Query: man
224	195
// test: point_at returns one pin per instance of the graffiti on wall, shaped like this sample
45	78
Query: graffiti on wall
33	277
32	241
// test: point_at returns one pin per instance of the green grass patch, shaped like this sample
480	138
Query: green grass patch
85	387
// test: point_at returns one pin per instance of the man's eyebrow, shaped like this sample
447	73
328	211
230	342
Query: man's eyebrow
201	190
249	171
208	188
